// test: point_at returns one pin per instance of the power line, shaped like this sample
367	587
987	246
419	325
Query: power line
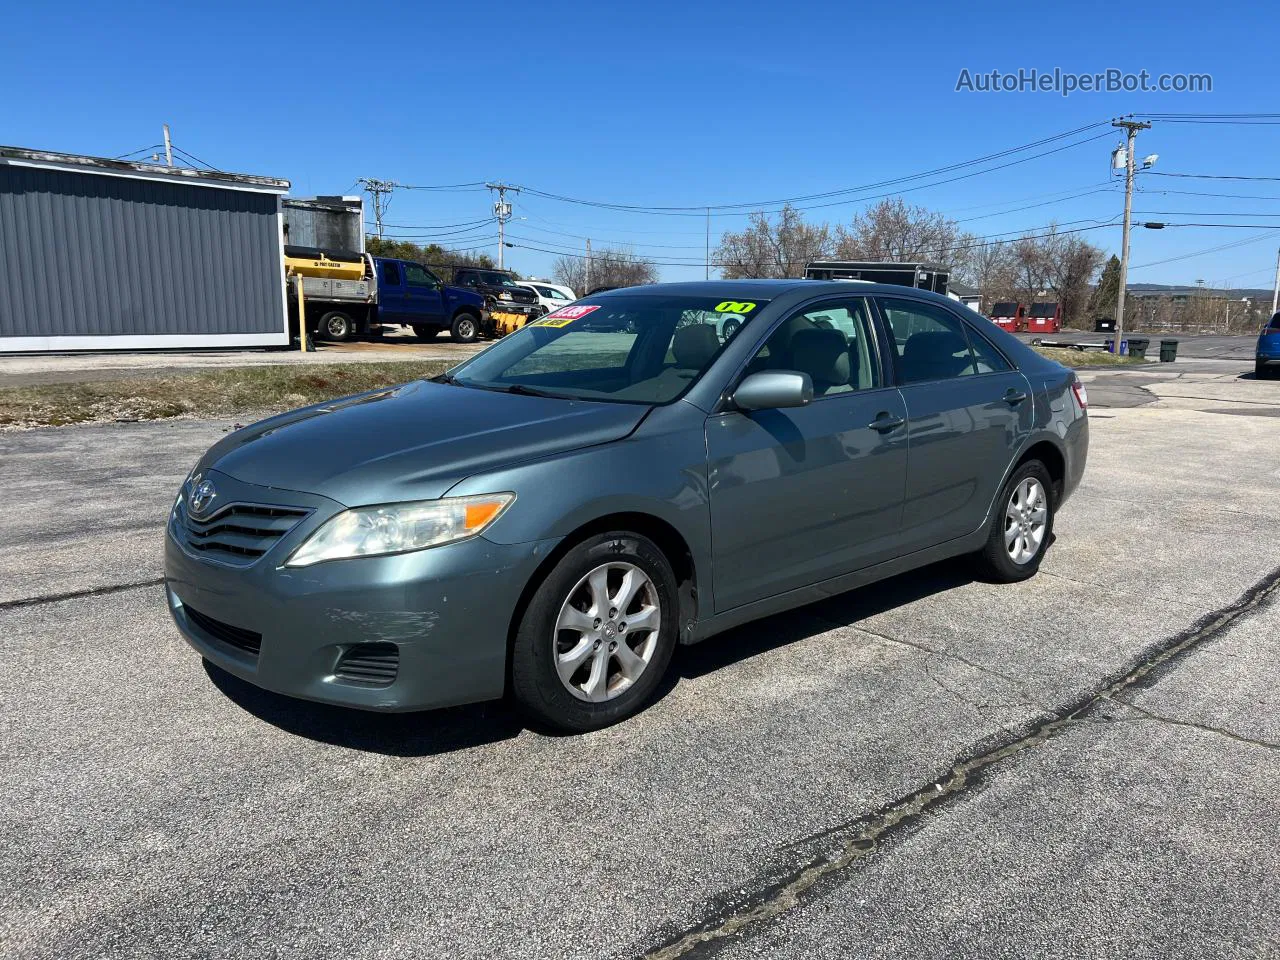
126	156
1200	193
461	187
1204	252
1201	213
1205	176
690	262
439	226
194	158
700	210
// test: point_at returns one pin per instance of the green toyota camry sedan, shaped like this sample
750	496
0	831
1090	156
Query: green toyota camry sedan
644	468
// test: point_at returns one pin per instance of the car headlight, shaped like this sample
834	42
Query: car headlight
400	528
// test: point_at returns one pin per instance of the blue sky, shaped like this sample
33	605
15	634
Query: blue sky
664	104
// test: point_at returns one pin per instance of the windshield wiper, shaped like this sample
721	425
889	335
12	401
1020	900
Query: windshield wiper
524	391
446	378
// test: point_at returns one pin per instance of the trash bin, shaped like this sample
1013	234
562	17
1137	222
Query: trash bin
1168	351
1111	345
1138	347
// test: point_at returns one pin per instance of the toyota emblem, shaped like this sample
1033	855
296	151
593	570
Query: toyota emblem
202	494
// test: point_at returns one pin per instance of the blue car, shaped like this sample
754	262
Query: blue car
1267	353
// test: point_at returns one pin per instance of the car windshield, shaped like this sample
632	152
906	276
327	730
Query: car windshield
1274	325
639	348
496	279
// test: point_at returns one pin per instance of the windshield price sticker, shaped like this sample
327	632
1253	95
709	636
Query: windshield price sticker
733	306
565	316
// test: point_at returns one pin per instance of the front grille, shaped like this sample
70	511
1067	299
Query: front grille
375	664
240	533
237	637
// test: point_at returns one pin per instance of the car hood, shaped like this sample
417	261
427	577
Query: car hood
412	442
517	294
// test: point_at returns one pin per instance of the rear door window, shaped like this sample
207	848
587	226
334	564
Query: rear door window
929	340
389	273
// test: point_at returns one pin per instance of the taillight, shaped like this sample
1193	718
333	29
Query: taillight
1082	397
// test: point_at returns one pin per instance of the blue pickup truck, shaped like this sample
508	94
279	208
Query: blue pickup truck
348	294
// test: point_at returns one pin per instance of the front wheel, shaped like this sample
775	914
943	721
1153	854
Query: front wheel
730	328
1022	525
465	328
337	326
597	635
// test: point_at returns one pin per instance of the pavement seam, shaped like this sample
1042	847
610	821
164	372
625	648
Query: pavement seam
1204	727
865	833
77	594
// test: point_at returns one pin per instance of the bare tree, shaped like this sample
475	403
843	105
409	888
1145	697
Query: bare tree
1055	265
780	247
895	230
608	268
991	268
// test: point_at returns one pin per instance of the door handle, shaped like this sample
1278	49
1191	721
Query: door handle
886	422
1014	397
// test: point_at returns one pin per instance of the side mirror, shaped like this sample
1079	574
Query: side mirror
773	390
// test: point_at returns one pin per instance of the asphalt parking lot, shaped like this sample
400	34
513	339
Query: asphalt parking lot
1085	764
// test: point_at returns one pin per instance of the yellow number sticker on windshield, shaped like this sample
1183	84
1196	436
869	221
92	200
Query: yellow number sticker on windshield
733	306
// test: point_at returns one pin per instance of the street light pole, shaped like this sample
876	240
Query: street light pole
1131	127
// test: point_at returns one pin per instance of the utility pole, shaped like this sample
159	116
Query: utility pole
588	290
502	210
708	243
168	147
1275	296
378	189
1131	127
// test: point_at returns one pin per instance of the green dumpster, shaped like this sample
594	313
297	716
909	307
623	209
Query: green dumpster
1168	351
1138	347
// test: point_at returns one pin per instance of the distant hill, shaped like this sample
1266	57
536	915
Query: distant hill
1169	290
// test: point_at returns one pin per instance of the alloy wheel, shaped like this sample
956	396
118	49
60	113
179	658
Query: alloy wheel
1026	520
607	631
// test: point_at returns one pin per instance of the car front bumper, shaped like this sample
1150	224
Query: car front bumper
445	611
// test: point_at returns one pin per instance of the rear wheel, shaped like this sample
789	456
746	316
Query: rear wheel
1261	371
425	333
1022	525
465	328
597	635
729	329
337	326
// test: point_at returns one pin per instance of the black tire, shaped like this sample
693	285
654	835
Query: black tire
1260	371
425	333
535	682
465	328
337	326
995	555
730	328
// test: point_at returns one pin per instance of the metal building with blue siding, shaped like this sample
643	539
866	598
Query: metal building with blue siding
100	254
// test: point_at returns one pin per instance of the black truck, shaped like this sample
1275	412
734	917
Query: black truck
509	305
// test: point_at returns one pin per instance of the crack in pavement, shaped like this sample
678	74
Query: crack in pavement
1028	699
77	594
1206	728
864	834
1150	596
